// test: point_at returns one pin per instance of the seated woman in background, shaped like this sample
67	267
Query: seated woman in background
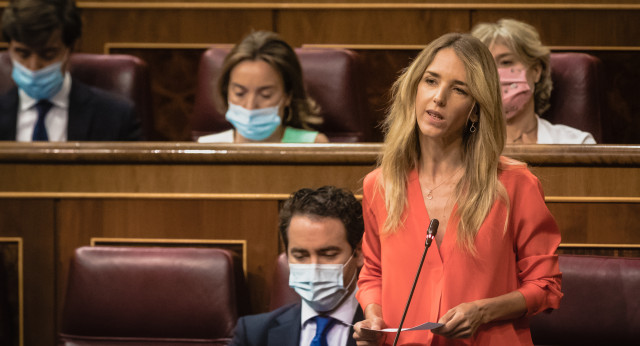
262	89
525	78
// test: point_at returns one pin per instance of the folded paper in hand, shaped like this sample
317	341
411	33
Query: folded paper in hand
424	326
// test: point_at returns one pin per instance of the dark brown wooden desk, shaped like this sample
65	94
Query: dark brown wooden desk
57	197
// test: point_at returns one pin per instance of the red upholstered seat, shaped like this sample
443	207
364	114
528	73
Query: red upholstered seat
124	75
281	293
577	97
144	296
331	77
601	303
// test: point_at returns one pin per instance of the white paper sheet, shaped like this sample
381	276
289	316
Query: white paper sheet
424	326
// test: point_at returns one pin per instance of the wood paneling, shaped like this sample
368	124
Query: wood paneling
599	250
368	26
173	86
588	181
11	292
575	27
598	223
33	220
176	26
383	66
225	179
58	196
621	75
79	220
276	169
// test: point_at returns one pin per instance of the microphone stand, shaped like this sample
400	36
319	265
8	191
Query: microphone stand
431	233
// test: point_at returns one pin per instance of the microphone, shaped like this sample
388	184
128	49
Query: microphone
431	233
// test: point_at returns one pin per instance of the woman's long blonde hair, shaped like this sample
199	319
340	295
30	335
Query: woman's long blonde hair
478	189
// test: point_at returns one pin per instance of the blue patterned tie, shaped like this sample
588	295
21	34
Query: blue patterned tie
40	131
323	324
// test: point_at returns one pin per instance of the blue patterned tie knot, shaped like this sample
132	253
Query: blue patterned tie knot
323	324
40	131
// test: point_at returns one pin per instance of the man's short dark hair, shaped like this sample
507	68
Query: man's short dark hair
32	22
327	201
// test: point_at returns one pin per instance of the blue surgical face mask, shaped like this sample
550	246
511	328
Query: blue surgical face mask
255	124
320	285
41	84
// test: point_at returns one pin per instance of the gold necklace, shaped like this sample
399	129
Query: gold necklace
429	191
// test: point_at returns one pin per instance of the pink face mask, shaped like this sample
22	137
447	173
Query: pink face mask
515	90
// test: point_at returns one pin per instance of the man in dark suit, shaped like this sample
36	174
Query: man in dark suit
47	103
322	231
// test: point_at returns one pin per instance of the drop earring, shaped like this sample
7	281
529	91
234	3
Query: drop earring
473	127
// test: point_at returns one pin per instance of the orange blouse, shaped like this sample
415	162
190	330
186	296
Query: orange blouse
522	258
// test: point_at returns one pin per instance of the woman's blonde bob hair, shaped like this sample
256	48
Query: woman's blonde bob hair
270	48
479	186
523	40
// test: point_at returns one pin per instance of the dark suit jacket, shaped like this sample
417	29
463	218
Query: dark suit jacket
280	327
94	115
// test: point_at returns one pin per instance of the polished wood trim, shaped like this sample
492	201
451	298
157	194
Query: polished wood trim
172	152
146	195
366	46
345	6
576	155
596	48
98	241
252	197
19	242
590	199
602	246
298	154
169	45
420	47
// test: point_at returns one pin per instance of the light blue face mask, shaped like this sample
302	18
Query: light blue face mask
41	84
320	285
255	124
